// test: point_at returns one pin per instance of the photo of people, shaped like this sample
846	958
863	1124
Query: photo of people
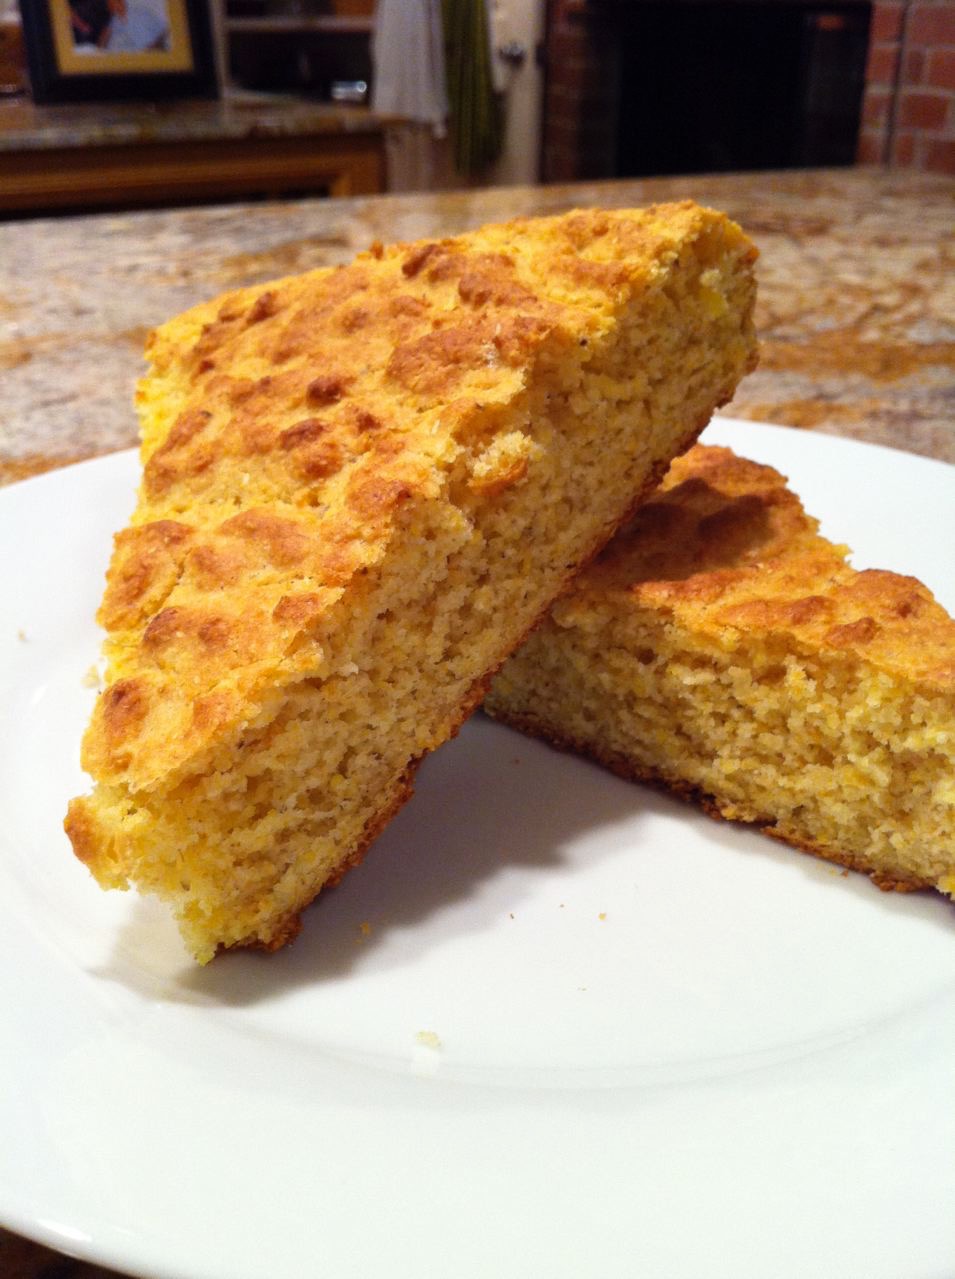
89	50
119	26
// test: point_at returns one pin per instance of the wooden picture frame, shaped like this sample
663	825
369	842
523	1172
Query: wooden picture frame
97	50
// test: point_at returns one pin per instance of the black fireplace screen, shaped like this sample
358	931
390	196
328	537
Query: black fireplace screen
715	87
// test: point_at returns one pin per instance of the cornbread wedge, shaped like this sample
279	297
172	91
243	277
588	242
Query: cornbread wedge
719	645
361	488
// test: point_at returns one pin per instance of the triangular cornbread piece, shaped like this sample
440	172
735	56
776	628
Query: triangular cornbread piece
719	645
361	488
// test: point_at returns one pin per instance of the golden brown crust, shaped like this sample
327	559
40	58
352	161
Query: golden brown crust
725	545
81	829
449	329
146	565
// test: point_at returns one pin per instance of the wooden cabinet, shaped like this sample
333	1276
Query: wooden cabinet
134	156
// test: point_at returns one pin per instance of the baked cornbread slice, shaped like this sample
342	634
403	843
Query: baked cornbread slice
361	488
719	645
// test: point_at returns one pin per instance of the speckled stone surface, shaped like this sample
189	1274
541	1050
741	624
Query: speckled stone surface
856	312
26	127
856	316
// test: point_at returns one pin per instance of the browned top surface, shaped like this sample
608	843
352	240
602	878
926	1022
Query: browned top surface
284	427
727	547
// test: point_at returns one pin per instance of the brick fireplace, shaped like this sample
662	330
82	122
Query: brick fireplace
641	87
908	114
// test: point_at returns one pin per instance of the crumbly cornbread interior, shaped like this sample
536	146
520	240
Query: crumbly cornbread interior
720	645
361	488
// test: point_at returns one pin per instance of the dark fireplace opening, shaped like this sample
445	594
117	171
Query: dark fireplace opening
642	87
710	87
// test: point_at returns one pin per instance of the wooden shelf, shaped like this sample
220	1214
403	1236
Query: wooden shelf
306	53
326	24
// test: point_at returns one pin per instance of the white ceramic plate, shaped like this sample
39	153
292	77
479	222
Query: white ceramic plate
554	1026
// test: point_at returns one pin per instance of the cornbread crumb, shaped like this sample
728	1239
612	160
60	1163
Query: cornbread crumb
429	1039
22	636
721	647
93	677
361	488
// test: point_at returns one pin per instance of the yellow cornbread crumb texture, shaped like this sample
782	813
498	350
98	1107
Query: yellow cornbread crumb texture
721	646
361	487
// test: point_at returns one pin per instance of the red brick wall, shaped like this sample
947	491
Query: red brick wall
580	94
908	113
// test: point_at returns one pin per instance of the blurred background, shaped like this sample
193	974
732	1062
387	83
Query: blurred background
336	97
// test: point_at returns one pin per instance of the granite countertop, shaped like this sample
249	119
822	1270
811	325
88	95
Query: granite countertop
856	312
856	316
27	127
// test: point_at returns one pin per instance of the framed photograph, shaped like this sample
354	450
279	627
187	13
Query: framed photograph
90	50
